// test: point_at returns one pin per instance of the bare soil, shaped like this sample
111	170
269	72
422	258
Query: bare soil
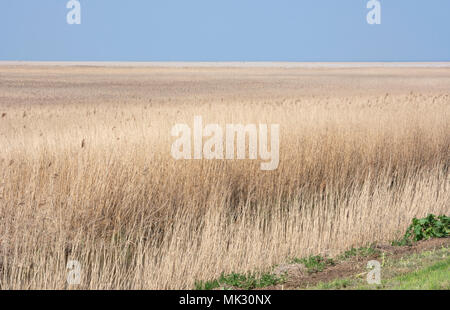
357	264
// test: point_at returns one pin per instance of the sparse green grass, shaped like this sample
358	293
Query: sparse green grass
315	263
428	270
243	281
361	252
435	277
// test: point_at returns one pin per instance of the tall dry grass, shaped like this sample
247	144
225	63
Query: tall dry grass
95	182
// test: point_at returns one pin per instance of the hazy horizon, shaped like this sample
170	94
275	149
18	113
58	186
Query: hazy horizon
235	64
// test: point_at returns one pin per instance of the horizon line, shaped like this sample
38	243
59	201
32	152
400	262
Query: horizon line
237	64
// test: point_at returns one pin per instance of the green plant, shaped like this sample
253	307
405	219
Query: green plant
243	281
315	263
361	252
425	228
206	285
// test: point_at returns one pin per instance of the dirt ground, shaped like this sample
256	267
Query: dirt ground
356	265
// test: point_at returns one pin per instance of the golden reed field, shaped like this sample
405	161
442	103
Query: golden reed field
86	171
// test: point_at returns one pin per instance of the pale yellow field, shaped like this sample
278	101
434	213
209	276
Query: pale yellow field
86	172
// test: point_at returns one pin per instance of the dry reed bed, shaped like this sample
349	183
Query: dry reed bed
94	181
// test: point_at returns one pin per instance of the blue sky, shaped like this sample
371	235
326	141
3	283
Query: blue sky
225	30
